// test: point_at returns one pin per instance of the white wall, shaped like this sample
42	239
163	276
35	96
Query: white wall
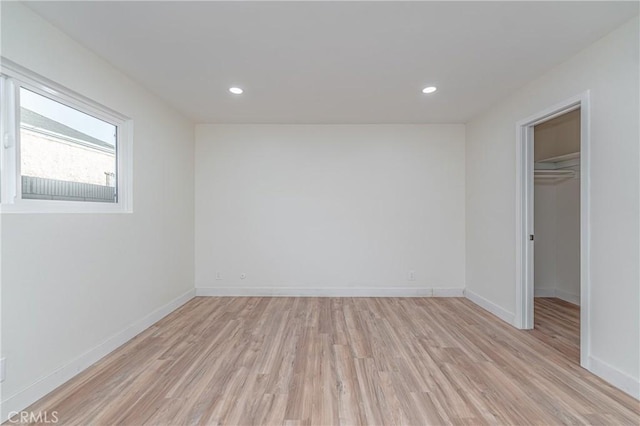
568	240
557	243
70	282
545	228
330	209
610	70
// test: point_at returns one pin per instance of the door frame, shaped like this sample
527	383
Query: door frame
524	215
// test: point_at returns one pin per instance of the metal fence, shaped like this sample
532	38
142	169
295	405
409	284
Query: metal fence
52	189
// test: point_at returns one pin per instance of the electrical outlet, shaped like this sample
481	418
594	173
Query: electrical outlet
218	276
412	275
3	369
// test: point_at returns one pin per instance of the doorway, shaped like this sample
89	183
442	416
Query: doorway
556	222
548	167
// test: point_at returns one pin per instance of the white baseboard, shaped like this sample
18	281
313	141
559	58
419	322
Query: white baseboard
448	292
496	310
329	292
568	297
37	390
560	294
544	292
617	378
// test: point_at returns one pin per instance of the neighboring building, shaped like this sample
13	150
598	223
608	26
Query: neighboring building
61	163
51	150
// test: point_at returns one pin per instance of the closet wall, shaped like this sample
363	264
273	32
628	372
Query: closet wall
557	210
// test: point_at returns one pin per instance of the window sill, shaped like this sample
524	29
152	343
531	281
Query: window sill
63	207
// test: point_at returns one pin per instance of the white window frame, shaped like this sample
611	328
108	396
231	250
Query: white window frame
12	78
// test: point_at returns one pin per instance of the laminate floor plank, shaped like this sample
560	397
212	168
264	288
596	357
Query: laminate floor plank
557	323
344	361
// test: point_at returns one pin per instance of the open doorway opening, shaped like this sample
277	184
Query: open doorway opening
556	194
575	165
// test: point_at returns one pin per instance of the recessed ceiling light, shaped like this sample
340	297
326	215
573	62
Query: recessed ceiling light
236	90
429	89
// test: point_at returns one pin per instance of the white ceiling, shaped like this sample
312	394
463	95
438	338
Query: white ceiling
334	62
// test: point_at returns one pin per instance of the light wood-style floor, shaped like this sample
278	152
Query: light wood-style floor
329	361
557	323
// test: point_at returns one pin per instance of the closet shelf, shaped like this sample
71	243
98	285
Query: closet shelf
560	158
558	163
558	168
554	176
551	173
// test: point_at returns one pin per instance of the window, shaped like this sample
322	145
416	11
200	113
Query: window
60	151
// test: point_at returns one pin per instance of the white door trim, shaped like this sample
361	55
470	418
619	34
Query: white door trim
524	216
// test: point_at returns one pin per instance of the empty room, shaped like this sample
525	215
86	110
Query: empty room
319	212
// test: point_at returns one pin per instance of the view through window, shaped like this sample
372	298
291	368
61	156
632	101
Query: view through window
65	154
